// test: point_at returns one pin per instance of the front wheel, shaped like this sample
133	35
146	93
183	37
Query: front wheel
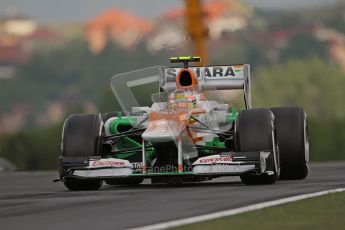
81	185
255	131
80	138
124	181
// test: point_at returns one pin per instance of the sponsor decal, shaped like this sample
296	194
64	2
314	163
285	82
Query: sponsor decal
238	68
214	159
180	96
211	72
137	165
106	163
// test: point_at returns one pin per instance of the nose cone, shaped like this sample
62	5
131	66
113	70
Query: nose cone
186	79
161	131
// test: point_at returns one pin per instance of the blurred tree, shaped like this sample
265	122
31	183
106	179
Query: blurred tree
281	19
107	101
33	150
327	139
317	86
314	84
236	51
72	75
304	46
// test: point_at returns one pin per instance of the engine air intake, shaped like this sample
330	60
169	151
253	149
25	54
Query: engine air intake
186	79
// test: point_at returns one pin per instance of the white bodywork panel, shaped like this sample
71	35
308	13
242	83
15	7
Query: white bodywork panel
105	168
219	164
118	172
219	169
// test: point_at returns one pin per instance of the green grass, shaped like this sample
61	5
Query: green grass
325	212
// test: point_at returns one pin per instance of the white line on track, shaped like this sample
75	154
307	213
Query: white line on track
231	212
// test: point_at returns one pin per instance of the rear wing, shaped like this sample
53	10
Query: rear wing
209	78
226	77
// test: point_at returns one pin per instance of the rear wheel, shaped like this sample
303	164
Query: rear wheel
292	134
80	138
255	131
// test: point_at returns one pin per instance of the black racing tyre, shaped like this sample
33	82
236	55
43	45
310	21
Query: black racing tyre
82	184
81	138
124	181
81	135
255	131
292	135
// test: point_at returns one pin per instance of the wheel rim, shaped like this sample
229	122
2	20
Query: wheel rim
306	141
275	150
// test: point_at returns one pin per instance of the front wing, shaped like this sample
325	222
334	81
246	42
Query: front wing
227	164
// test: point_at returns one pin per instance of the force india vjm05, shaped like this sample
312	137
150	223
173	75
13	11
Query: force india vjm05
182	136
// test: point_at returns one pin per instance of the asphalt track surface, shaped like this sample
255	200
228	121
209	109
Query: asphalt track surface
32	201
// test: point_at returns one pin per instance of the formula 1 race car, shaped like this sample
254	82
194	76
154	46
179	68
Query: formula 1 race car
182	136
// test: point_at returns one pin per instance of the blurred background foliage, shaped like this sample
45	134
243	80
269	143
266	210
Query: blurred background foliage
300	71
